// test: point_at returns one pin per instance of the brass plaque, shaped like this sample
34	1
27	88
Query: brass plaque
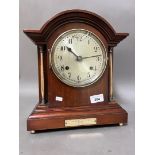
80	122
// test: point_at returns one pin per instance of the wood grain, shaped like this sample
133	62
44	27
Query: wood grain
75	16
44	118
76	101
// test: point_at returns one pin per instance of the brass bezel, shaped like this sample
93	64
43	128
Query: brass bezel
63	79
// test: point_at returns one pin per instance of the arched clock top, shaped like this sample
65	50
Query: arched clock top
76	16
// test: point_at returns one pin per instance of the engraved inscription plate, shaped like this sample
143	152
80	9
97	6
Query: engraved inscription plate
80	122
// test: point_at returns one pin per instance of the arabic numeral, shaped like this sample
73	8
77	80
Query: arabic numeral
60	57
97	99
98	58
62	68
69	75
88	74
78	78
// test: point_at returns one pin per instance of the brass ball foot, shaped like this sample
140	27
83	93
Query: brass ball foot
120	124
32	131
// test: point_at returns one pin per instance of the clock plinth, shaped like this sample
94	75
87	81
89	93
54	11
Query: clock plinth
75	70
43	118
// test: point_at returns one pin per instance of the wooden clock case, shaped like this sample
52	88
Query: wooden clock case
51	114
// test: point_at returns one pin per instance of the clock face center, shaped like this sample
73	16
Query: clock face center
78	57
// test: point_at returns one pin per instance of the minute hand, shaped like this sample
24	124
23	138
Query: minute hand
91	56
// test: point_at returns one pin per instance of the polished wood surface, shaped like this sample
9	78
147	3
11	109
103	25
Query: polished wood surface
74	96
49	113
50	118
75	16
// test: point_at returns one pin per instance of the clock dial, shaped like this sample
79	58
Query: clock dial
78	57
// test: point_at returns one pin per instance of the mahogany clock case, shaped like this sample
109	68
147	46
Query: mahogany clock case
61	89
49	113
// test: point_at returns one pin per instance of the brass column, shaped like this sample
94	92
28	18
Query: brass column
111	74
41	72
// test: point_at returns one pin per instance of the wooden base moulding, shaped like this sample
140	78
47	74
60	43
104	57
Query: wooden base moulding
43	117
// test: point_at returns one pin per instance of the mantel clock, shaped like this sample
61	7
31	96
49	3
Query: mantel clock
75	68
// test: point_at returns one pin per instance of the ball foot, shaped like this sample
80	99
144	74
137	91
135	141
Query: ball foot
32	131
120	124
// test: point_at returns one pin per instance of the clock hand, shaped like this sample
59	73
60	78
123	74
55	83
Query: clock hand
70	50
91	56
78	58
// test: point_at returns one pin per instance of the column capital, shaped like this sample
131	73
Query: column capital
40	47
110	49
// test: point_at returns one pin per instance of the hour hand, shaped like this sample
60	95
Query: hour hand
70	50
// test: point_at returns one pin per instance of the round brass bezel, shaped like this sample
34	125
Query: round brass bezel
62	79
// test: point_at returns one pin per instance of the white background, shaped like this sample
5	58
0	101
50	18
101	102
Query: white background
145	77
